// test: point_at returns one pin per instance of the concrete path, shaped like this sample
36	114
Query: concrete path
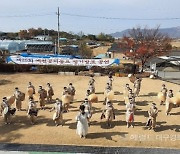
47	149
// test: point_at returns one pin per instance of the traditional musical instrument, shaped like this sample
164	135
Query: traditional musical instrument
11	100
161	97
109	95
175	99
30	91
22	96
132	78
93	98
66	98
178	98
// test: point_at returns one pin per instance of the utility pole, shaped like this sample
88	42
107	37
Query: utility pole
55	49
58	14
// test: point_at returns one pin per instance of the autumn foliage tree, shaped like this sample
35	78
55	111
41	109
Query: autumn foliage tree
23	34
144	44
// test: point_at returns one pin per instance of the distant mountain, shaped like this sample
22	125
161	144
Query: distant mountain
173	32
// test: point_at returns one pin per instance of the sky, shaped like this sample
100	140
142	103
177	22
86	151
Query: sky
88	16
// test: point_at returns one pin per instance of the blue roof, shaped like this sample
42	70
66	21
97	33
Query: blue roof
16	45
63	39
101	56
48	56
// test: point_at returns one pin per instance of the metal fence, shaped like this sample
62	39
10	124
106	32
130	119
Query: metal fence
169	75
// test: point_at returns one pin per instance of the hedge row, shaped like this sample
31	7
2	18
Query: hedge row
56	69
123	68
14	68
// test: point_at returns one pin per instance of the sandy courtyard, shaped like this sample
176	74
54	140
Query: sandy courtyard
44	131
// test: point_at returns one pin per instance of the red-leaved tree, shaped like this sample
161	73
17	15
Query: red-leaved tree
144	44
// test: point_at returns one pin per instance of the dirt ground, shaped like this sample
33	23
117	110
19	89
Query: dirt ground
175	44
100	50
45	132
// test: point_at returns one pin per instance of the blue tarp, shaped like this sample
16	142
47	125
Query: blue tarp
48	56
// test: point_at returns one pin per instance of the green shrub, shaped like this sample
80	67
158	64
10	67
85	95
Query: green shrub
56	69
14	68
122	68
130	68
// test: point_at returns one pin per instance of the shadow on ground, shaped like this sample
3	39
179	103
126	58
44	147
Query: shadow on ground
4	82
117	93
161	128
143	103
149	94
8	132
107	135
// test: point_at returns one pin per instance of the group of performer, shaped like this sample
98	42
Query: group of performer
85	108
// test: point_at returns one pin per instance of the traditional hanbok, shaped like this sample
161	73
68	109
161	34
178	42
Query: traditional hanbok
82	124
169	104
130	112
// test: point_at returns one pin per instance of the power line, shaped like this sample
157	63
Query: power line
118	18
27	15
87	16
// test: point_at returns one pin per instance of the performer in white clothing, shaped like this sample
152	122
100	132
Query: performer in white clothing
82	122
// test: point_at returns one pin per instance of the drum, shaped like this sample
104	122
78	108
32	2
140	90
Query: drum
161	97
175	100
110	95
132	78
172	100
93	98
66	99
11	100
5	111
22	96
30	91
178	98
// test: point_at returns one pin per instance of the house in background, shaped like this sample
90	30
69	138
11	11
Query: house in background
69	49
115	51
31	45
43	38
